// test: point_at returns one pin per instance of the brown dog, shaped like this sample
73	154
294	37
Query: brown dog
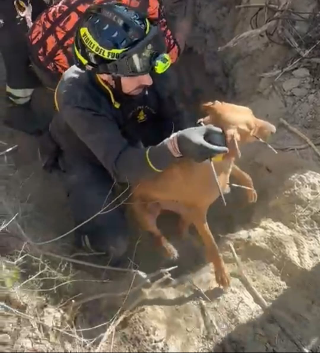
189	188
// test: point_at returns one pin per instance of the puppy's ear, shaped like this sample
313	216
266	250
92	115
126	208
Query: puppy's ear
209	106
210	109
263	126
206	107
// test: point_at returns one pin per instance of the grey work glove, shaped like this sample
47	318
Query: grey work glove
198	143
201	142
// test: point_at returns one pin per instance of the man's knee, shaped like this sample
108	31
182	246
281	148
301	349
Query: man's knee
90	188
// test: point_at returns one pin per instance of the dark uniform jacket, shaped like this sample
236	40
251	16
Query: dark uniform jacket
97	126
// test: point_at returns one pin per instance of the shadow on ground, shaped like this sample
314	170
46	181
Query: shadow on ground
301	304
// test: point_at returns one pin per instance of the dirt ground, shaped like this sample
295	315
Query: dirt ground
277	239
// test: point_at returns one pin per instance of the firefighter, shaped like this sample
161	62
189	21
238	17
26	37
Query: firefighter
113	126
50	43
15	19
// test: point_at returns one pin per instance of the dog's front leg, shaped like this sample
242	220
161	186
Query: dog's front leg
244	179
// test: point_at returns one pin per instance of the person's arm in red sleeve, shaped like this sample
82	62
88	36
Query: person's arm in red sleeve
156	13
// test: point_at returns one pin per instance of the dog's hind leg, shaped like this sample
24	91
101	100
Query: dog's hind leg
245	180
212	250
146	214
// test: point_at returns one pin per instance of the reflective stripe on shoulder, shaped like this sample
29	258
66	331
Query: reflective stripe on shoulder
114	102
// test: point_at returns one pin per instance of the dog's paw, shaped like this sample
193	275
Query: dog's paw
252	196
222	277
171	251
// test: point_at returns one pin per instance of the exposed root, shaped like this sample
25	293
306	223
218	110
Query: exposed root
255	32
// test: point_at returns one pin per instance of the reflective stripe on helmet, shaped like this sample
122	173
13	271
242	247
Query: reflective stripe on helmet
93	45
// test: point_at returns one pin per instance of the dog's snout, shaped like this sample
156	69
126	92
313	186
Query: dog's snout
273	129
270	128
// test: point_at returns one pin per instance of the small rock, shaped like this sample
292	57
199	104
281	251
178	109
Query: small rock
315	60
27	343
291	84
4	338
300	92
300	73
264	84
311	98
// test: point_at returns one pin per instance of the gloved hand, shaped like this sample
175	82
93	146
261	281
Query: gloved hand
198	143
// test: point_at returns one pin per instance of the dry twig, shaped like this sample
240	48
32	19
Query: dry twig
301	135
69	259
5	225
249	286
102	211
297	147
290	67
212	319
131	307
241	186
274	7
13	148
80	262
135	289
255	32
33	319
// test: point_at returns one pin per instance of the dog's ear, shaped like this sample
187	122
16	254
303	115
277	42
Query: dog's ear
263	127
207	104
206	107
232	138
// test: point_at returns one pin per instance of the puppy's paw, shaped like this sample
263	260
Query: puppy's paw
222	277
171	251
227	190
252	196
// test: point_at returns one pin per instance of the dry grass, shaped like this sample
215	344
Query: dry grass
38	287
279	22
30	280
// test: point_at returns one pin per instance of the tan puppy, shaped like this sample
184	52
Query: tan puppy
189	188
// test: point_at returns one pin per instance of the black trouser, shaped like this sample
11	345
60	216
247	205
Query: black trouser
20	79
90	189
15	53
